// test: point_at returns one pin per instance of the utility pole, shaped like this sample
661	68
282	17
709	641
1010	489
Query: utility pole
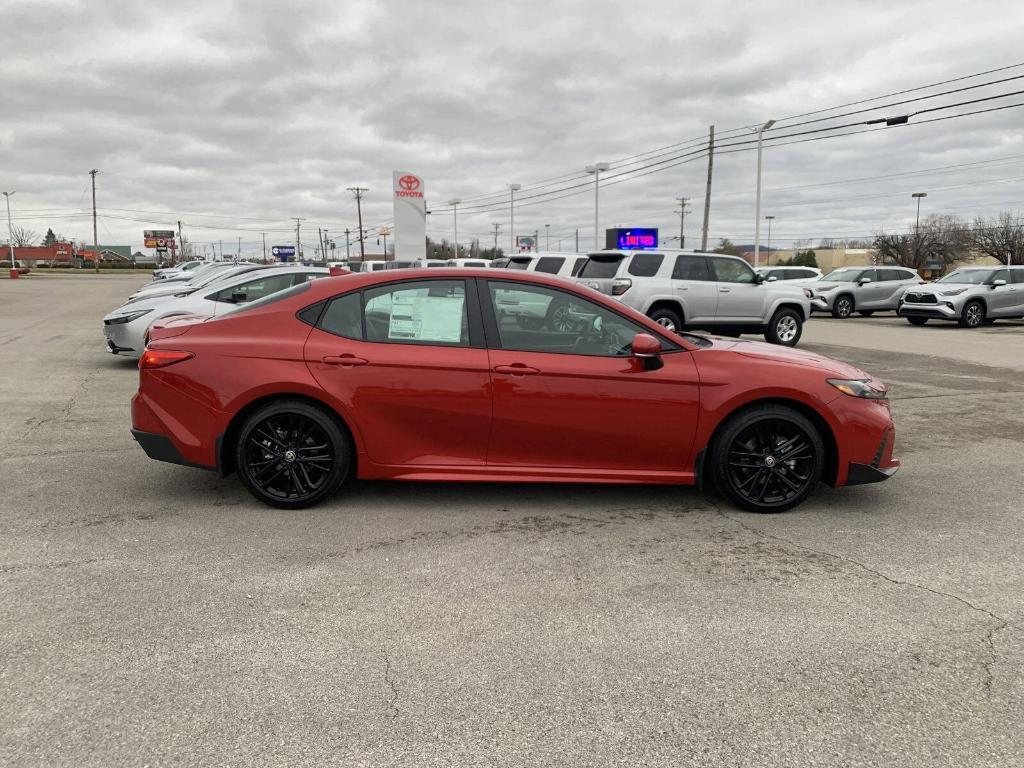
770	220
221	257
512	189
181	241
707	189
358	192
577	239
325	246
238	255
683	202
497	226
95	236
298	242
264	247
348	251
547	237
757	199
10	229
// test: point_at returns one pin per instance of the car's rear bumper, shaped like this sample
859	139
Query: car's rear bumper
161	448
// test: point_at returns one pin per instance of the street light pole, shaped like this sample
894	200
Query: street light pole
10	229
547	237
917	221
454	203
596	169
512	189
770	220
757	201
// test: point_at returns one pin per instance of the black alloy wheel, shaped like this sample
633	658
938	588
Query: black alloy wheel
973	315
291	454
843	307
767	459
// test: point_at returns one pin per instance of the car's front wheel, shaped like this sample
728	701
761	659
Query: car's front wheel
668	319
291	454
866	312
785	328
843	307
767	459
973	315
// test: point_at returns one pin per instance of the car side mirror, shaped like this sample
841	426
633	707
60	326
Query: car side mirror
771	279
864	281
997	283
759	278
645	346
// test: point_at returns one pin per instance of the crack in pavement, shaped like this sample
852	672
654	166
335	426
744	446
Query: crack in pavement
1000	622
393	698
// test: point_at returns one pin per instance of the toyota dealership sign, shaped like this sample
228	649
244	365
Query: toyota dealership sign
410	231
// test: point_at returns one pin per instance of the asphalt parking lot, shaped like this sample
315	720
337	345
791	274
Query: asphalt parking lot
157	615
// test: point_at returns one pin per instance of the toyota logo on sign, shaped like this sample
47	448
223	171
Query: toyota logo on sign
409	183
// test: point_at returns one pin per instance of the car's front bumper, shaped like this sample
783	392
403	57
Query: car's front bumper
822	302
943	310
125	338
865	435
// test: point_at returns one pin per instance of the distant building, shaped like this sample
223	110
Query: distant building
33	255
107	253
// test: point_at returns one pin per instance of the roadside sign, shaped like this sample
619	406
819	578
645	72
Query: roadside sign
526	243
283	252
160	242
158	234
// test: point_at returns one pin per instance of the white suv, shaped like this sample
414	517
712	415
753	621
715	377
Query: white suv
705	291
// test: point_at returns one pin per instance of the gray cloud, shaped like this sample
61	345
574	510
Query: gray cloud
234	117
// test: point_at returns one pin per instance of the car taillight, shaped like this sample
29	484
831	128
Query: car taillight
158	358
620	285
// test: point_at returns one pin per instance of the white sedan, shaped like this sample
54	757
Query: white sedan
168	288
125	328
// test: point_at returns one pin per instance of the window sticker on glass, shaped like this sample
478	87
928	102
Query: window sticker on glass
426	318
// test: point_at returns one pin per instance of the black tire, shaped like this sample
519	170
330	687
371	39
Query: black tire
732	333
865	312
667	318
292	455
989	321
842	307
755	477
973	315
785	328
917	320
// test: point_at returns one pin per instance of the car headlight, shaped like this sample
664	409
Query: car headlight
954	292
129	317
858	388
808	293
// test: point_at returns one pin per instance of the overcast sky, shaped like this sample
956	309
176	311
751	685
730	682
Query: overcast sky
234	117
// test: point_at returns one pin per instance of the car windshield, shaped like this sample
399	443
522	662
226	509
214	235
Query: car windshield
971	276
842	276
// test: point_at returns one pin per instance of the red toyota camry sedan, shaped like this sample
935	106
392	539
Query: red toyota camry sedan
477	374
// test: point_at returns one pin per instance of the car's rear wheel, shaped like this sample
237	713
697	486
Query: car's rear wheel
767	459
291	454
668	319
785	328
917	320
865	312
842	307
973	315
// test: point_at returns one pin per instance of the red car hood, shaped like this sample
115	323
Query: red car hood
798	357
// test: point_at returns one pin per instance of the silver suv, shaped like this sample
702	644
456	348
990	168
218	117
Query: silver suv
972	296
864	290
704	291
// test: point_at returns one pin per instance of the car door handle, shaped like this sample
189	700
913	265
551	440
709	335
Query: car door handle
723	289
518	369
345	361
682	287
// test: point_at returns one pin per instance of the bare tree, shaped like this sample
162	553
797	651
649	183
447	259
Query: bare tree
1002	237
913	250
22	237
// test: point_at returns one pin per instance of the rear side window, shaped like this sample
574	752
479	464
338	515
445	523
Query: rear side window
578	265
601	266
892	274
549	264
1018	276
797	274
732	271
344	317
691	268
518	263
645	264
